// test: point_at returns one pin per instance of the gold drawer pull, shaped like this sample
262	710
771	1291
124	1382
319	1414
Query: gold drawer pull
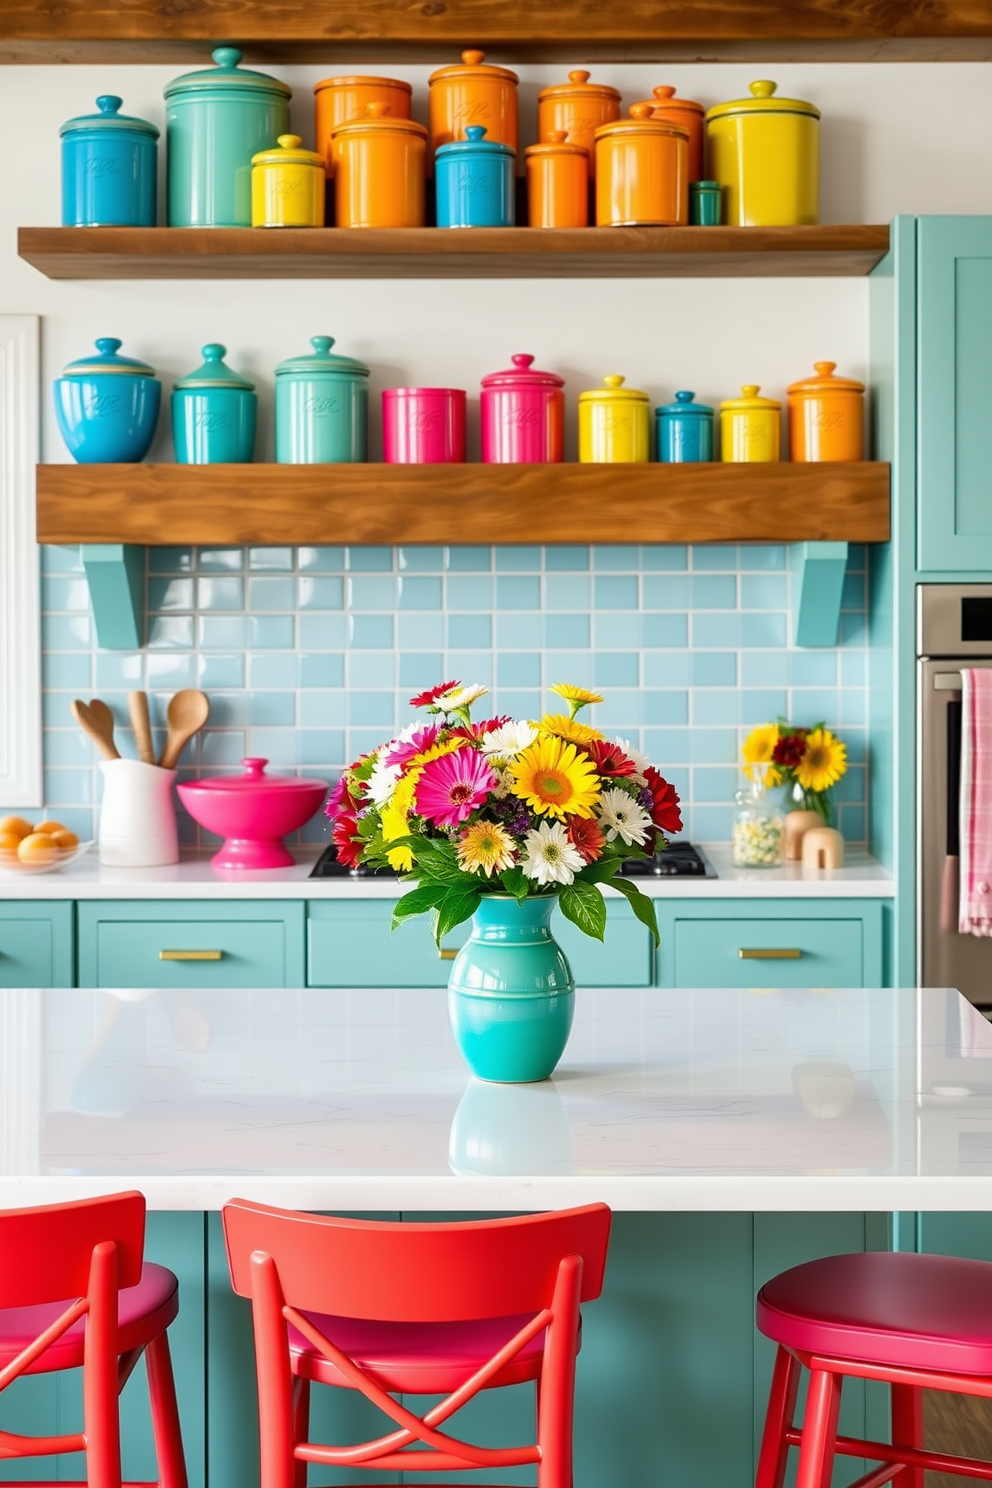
772	953
190	955
447	953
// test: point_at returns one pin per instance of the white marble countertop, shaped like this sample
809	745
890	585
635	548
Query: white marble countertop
356	1100
194	878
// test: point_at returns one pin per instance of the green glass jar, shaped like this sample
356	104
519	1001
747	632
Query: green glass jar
322	403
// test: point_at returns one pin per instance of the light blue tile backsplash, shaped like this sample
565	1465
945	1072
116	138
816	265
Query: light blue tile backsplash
310	654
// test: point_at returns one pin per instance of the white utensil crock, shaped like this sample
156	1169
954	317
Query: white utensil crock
137	817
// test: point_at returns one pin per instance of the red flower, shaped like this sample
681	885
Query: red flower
586	836
664	802
609	759
479	730
343	836
424	699
790	748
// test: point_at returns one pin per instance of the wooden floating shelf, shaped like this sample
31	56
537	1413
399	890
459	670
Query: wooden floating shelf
164	505
431	253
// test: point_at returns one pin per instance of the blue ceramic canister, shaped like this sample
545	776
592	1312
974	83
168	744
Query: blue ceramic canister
475	182
215	121
109	168
107	406
322	404
685	430
213	413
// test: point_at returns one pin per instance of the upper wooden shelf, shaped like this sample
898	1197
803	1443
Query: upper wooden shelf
164	505
431	252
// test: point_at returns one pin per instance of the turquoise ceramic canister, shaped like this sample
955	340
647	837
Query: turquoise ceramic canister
322	403
213	413
107	406
215	121
109	168
685	430
475	182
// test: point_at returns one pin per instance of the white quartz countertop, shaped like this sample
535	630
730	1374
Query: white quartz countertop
358	1100
194	878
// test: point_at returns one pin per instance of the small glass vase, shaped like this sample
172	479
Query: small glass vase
757	835
799	798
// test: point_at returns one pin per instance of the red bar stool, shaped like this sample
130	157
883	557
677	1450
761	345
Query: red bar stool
399	1309
918	1322
74	1292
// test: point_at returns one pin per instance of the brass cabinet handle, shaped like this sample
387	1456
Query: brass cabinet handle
447	953
771	953
190	955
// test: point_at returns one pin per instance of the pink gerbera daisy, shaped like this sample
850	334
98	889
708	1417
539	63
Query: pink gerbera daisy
418	743
451	787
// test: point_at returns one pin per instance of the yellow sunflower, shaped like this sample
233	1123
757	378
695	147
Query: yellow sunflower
758	750
394	819
552	777
486	845
448	746
575	697
568	729
824	762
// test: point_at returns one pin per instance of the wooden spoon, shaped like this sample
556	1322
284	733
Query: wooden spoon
105	722
137	705
92	722
186	714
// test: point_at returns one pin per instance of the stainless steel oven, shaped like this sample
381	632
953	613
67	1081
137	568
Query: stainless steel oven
954	629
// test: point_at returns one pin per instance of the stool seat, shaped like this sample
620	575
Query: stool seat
902	1310
143	1312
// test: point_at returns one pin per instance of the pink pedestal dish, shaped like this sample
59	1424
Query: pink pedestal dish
252	812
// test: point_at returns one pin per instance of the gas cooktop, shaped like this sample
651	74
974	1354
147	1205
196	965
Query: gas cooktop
679	860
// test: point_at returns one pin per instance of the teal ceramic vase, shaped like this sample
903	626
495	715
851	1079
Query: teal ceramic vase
511	995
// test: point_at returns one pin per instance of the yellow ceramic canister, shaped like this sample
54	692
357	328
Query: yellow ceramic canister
765	153
642	171
379	171
750	427
287	186
338	99
691	116
826	416
472	93
578	107
557	183
614	424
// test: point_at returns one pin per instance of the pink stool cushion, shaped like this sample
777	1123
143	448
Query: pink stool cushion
143	1312
917	1311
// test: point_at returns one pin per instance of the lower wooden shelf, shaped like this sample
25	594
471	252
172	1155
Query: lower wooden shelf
166	505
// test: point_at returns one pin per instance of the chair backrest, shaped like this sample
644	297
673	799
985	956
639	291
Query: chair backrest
442	1272
45	1252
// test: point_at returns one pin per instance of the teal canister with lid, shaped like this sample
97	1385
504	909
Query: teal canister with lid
215	121
214	413
109	168
321	408
685	430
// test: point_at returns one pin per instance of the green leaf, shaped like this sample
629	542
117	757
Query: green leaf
515	882
642	906
417	901
602	870
441	867
455	907
582	903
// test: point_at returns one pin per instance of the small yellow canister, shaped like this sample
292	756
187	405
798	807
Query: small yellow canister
614	424
765	153
750	427
287	186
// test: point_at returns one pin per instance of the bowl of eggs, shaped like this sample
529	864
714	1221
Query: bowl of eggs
37	849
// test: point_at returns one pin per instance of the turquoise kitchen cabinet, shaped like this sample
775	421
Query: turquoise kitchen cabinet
36	944
744	943
218	944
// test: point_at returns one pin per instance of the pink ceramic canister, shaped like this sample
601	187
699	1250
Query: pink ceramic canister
523	416
423	426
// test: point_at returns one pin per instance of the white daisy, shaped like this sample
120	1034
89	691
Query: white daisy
620	816
641	761
510	738
550	857
460	697
382	782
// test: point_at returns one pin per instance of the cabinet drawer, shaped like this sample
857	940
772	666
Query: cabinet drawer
36	947
774	953
175	945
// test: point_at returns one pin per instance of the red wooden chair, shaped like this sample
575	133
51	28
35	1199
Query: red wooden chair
389	1309
74	1292
919	1322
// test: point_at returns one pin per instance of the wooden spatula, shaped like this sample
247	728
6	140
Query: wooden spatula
137	706
92	719
186	714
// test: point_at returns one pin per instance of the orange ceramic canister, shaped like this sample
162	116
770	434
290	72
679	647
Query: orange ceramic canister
338	99
642	171
472	93
692	118
826	416
557	183
379	171
578	107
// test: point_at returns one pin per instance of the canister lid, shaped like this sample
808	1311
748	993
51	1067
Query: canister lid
522	372
288	152
698	186
684	405
472	66
227	74
322	360
107	360
555	143
664	98
109	118
642	120
763	101
749	399
825	382
255	778
362	82
474	143
377	116
579	86
614	391
215	373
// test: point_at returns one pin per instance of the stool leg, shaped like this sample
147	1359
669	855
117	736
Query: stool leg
816	1451
907	1430
165	1414
774	1452
301	1425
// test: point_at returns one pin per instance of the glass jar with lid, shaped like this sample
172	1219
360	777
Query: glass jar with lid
758	831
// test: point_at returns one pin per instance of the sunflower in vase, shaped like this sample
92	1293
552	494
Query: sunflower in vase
808	761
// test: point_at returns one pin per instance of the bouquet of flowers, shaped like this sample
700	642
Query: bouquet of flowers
809	760
503	806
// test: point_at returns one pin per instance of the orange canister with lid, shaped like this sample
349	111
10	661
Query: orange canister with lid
826	416
379	171
471	92
578	107
690	116
642	171
557	183
338	99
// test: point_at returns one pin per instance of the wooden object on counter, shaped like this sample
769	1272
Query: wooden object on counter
137	703
797	824
92	720
186	714
823	847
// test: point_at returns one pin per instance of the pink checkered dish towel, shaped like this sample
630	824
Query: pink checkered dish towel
975	908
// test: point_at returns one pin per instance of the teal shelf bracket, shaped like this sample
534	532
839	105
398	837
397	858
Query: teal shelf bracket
817	570
115	573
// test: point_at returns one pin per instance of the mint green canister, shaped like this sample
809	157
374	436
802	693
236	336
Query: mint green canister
213	413
322	403
215	121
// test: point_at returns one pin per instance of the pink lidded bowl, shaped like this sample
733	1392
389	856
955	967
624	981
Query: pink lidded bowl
253	812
